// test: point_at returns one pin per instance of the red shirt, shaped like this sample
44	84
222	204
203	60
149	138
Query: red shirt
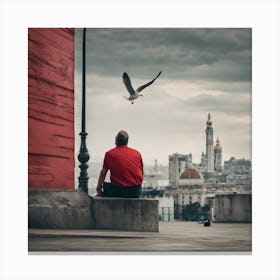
125	165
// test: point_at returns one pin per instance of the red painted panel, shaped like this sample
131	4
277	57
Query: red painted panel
51	108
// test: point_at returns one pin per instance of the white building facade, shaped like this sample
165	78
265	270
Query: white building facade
191	188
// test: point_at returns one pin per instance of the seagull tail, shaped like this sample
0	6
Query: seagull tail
125	97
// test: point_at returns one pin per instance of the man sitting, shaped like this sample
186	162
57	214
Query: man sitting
126	168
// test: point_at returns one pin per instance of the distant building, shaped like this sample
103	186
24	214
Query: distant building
218	156
191	188
237	166
239	179
203	161
194	186
211	160
155	172
223	188
209	144
190	195
155	177
238	171
177	164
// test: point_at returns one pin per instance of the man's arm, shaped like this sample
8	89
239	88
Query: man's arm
101	180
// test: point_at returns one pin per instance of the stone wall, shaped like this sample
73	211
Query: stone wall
133	214
71	209
59	209
233	208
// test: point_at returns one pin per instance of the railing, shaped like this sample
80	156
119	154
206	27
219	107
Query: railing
191	212
166	214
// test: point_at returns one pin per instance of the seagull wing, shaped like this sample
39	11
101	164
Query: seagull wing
127	83
149	83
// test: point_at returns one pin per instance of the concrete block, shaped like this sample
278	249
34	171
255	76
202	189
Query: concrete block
133	214
59	209
233	208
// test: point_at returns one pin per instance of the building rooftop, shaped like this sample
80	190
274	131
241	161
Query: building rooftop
190	174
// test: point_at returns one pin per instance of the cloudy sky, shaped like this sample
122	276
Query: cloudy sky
203	71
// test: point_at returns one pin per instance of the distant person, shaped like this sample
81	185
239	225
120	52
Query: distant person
207	223
126	168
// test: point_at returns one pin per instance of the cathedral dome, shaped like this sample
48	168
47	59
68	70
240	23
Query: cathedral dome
190	174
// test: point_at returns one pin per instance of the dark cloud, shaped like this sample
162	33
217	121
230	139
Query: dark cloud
228	103
240	87
200	54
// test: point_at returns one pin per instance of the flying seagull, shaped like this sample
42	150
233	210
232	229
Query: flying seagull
135	94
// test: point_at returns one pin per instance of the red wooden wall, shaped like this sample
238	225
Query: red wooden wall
51	108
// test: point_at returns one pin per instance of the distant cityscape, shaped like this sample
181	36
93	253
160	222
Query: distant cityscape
186	190
190	188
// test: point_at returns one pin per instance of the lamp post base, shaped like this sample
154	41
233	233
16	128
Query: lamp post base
83	157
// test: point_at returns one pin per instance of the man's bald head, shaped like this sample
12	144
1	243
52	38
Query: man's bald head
122	138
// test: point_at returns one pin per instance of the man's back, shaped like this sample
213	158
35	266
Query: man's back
125	165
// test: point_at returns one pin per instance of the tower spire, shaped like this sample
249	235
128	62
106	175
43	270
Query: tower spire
218	146
209	121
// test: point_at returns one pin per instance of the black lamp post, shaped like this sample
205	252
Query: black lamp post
83	156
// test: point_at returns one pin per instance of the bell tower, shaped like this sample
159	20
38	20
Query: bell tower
209	144
218	156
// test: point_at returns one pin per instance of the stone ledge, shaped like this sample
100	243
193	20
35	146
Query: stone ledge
133	214
59	209
73	209
233	208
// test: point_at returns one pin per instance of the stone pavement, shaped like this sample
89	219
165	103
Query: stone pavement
172	237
